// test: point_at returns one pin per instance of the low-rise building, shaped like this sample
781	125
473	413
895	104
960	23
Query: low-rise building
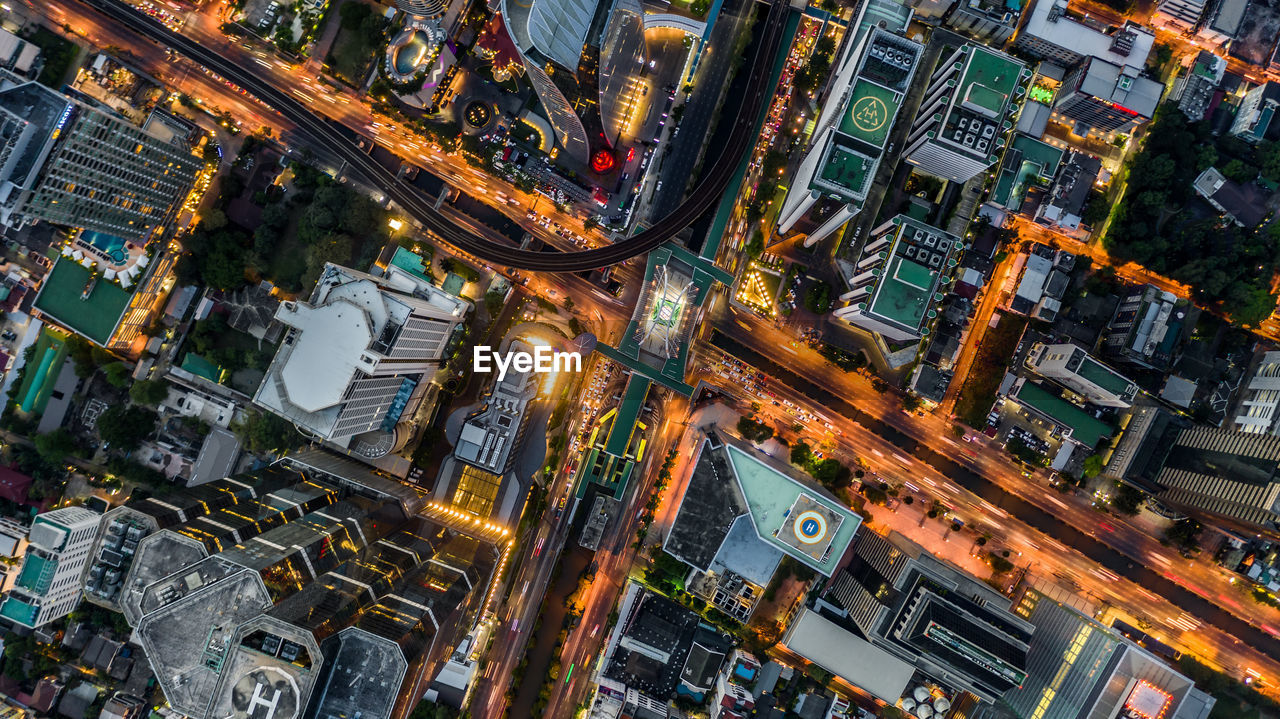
663	650
1195	89
1063	206
1044	282
1243	204
1149	327
1074	368
993	21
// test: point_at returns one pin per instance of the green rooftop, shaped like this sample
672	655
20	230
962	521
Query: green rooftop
1105	377
846	172
94	317
1026	162
1085	428
989	79
201	367
869	115
903	294
624	425
771	495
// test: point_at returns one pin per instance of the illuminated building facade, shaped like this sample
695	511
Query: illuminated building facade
1078	668
70	164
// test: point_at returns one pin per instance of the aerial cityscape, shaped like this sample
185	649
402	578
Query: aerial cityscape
605	359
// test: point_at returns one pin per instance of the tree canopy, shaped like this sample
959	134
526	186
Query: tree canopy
126	427
1224	264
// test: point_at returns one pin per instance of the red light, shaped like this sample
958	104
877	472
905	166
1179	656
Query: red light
602	161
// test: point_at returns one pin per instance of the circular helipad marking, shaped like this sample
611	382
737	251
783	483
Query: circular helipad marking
810	527
869	113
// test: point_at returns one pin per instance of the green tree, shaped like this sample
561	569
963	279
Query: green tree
56	446
1185	534
1092	466
755	246
126	427
117	374
801	454
150	392
818	298
1128	499
265	432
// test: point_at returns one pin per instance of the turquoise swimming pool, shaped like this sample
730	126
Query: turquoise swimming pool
110	245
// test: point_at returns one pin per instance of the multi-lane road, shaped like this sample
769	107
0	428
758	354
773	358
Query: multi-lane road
344	144
995	493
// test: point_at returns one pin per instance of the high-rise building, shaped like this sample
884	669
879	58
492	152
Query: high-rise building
947	624
491	434
841	164
994	21
191	525
70	164
48	587
967	111
1228	476
1255	408
1106	98
358	359
1053	33
900	274
1074	368
1077	668
337	611
1256	111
